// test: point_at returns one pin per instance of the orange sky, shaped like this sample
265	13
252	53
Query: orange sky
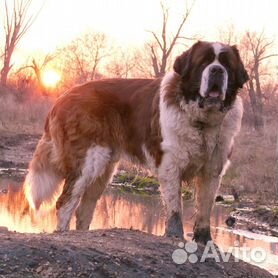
127	20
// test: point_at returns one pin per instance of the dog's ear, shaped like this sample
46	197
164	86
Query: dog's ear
241	74
183	62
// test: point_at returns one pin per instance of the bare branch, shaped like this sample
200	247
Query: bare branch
188	38
164	43
23	68
156	39
255	48
17	23
185	17
165	12
268	56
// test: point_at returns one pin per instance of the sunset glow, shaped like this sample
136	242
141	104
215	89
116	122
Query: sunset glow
51	78
127	21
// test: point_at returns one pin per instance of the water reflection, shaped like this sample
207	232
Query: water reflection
123	210
129	211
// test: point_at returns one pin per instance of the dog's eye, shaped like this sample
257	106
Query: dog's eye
207	59
210	57
224	59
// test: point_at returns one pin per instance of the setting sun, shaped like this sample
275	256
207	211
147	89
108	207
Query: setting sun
50	78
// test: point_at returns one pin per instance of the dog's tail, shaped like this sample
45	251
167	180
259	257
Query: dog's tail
43	179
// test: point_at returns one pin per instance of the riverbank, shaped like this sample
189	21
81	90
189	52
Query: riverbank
107	253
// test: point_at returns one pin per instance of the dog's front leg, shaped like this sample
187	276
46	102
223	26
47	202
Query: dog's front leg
207	184
170	187
206	187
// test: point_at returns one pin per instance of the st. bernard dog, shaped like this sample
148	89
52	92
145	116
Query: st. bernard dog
181	126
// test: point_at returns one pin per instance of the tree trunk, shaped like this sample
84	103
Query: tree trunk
4	76
163	64
154	63
259	96
256	107
37	71
6	69
276	185
10	44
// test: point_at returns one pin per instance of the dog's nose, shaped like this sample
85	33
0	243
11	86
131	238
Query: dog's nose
216	70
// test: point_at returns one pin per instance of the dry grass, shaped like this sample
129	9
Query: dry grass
254	163
23	115
133	168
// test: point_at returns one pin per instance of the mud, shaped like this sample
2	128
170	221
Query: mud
106	253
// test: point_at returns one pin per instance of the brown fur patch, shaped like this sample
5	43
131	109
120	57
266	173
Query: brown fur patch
121	114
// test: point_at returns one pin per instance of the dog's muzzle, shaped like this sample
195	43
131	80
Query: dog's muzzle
215	90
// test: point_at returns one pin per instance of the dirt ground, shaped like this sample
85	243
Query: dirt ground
257	219
16	149
106	253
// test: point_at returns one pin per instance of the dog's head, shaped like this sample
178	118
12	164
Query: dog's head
211	73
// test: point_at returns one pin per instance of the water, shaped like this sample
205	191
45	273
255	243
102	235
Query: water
124	210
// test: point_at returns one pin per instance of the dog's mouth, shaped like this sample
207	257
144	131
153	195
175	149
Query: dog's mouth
214	93
213	99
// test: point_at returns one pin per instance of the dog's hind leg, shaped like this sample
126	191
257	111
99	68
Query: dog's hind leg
96	160
85	210
65	197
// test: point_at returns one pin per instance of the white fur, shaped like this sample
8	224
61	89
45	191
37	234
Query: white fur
41	187
172	119
217	48
149	160
205	75
178	136
96	160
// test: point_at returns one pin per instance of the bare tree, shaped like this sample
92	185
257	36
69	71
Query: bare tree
17	23
162	45
82	57
228	34
38	65
143	64
256	50
122	64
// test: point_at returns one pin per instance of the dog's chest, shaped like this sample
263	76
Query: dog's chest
189	145
193	148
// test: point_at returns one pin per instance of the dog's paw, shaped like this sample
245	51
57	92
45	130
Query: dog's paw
202	235
174	227
58	231
61	229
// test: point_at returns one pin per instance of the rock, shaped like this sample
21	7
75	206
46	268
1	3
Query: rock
219	198
230	221
3	229
39	269
4	191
